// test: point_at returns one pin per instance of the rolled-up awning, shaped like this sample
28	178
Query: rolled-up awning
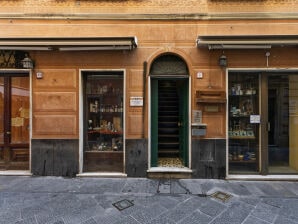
246	42
69	44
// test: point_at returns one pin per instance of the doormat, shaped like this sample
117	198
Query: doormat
123	204
221	196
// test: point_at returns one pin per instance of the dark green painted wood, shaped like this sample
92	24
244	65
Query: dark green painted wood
154	122
183	116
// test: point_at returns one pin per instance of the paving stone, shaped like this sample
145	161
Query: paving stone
46	218
276	202
146	215
167	202
267	189
31	220
254	220
161	220
90	221
49	200
193	186
127	220
178	188
238	188
283	190
284	220
265	212
9	215
291	186
98	185
164	188
181	210
108	216
212	208
290	209
141	185
196	217
250	200
236	213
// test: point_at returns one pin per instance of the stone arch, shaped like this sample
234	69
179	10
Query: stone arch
169	64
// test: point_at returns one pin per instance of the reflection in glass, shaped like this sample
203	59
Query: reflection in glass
20	109
283	117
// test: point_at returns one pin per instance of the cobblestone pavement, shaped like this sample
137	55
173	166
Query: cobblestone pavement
57	200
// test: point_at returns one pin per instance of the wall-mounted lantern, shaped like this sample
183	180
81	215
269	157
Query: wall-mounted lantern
27	62
223	62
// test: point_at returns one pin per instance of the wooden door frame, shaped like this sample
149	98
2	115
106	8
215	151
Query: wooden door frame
82	119
27	72
263	129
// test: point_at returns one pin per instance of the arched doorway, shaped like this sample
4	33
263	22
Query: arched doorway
169	121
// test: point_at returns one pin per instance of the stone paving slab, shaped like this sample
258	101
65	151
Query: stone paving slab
57	200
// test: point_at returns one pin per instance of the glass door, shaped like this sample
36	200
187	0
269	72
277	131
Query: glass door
14	121
282	123
243	123
103	125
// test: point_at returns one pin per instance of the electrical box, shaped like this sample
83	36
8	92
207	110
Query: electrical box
198	129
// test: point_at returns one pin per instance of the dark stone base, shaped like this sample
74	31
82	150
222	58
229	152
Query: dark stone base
55	157
208	158
136	157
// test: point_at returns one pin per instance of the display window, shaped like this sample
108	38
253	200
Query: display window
262	123
243	127
103	107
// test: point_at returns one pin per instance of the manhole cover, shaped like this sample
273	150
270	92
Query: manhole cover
221	196
123	204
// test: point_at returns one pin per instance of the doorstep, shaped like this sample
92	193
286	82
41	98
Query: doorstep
15	173
263	177
169	172
102	174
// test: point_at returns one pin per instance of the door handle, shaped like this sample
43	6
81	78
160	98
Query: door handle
268	126
179	124
8	132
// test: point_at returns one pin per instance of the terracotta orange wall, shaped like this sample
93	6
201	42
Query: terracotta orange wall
56	96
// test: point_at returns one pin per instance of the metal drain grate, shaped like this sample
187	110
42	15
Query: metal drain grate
123	204
221	196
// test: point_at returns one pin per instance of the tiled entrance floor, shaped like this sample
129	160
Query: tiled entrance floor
170	162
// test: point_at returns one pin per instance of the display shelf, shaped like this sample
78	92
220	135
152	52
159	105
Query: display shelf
242	132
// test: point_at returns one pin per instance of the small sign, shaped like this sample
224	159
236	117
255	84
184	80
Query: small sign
197	116
255	119
136	101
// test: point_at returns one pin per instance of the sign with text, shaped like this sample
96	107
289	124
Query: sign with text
136	101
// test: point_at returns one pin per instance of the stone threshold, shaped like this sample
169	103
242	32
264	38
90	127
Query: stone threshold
169	170
15	173
101	174
263	177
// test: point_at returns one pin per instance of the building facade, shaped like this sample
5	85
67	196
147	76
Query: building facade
190	89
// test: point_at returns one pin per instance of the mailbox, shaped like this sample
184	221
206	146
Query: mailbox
198	129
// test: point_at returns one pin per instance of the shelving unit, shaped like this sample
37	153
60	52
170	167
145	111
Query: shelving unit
243	132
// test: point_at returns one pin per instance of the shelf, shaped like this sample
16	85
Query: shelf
242	161
244	95
105	132
108	151
242	137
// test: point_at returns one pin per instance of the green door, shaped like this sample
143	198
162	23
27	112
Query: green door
157	148
154	122
183	119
